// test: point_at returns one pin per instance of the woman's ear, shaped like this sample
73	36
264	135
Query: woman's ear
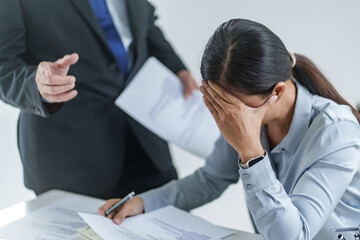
279	90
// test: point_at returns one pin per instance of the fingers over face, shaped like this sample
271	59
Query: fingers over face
210	99
225	95
211	93
210	103
212	110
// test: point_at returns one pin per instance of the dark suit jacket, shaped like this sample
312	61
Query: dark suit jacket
80	147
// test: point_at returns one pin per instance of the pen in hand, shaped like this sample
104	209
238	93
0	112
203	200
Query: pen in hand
120	203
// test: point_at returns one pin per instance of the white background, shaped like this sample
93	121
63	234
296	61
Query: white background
327	31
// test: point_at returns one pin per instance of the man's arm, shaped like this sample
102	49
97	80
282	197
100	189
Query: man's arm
37	89
17	79
160	48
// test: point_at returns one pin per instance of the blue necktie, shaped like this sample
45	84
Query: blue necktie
117	47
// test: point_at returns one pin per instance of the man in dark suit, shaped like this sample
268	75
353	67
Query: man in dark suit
71	136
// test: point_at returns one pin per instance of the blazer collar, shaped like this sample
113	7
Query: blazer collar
134	10
300	121
86	11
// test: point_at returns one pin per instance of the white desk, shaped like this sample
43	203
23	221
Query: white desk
20	210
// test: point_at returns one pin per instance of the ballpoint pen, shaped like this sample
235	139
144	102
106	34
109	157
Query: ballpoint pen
119	203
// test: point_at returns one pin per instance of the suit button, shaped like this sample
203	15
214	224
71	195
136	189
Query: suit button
246	176
113	66
249	187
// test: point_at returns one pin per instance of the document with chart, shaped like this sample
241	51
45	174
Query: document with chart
155	99
168	223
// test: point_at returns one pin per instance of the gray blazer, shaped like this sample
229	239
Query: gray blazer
79	147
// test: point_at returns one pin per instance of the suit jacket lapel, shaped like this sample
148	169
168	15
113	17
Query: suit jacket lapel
86	11
134	9
135	15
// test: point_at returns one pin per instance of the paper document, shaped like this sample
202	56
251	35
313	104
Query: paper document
155	99
57	221
89	233
168	223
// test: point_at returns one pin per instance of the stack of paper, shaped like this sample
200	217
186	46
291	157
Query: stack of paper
57	221
168	223
89	233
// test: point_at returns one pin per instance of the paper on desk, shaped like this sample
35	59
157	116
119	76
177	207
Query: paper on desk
155	99
168	223
89	233
57	221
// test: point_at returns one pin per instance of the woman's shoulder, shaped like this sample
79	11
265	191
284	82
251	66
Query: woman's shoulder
329	112
332	127
333	131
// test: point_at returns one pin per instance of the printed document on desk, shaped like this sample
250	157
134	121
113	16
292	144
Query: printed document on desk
57	221
168	223
155	99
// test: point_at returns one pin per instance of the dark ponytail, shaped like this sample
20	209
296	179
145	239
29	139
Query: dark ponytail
248	57
308	75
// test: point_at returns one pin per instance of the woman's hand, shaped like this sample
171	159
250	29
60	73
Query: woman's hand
134	206
239	124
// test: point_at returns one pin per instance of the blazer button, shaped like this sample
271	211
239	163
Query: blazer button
113	66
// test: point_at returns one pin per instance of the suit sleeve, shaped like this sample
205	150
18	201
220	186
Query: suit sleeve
203	186
159	47
17	79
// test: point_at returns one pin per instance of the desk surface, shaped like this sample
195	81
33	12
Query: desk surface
20	210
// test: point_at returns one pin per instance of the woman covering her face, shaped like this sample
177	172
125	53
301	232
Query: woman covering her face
286	132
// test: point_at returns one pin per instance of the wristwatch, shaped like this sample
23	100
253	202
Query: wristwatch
252	161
